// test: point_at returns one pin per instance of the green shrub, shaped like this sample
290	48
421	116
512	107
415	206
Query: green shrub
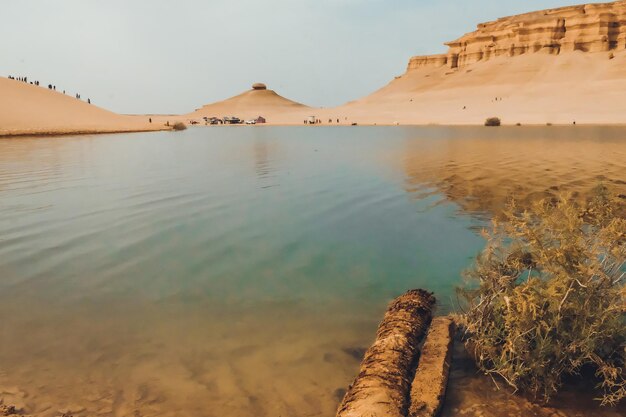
547	296
493	121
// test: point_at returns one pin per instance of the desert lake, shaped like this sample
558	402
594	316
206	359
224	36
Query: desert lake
242	271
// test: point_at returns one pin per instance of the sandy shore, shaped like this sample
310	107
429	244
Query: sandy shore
471	394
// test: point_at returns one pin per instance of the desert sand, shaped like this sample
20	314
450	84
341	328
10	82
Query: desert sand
558	66
27	109
573	87
529	89
555	66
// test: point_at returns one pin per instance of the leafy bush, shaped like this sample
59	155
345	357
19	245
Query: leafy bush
547	296
493	121
179	126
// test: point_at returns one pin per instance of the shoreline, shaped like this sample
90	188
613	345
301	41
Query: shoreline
529	90
421	125
22	133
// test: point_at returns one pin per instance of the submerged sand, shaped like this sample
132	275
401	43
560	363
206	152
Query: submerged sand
187	355
173	360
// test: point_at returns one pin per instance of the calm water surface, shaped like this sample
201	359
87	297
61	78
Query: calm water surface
241	271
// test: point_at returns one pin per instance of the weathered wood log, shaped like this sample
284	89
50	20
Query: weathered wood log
382	387
428	389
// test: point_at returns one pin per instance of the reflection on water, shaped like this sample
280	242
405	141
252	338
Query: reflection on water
229	272
263	162
481	169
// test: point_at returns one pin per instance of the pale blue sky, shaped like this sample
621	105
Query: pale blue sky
140	56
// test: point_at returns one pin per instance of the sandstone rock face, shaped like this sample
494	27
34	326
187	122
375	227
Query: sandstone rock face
418	62
588	28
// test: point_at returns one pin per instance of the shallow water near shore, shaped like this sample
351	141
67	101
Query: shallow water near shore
242	271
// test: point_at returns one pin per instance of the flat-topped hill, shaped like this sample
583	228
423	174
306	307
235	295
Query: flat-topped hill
258	101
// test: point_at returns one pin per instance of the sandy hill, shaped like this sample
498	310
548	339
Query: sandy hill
258	101
553	66
29	109
529	89
558	66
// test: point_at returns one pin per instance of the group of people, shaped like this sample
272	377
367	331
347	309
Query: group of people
24	80
50	86
319	121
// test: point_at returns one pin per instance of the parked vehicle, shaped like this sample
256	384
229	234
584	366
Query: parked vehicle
251	122
232	120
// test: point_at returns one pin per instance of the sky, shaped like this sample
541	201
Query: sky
160	56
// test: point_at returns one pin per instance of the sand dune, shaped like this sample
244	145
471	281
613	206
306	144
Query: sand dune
27	109
529	89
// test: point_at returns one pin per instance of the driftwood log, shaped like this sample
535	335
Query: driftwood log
428	389
382	387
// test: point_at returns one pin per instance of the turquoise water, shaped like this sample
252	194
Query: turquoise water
235	271
236	216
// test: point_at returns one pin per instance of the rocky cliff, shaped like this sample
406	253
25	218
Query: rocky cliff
589	28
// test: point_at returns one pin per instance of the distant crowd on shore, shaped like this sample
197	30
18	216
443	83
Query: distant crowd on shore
50	86
315	121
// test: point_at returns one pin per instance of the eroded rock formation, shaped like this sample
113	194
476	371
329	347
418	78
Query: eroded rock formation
588	28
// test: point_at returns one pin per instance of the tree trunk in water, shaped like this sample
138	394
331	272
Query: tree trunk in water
431	377
382	387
